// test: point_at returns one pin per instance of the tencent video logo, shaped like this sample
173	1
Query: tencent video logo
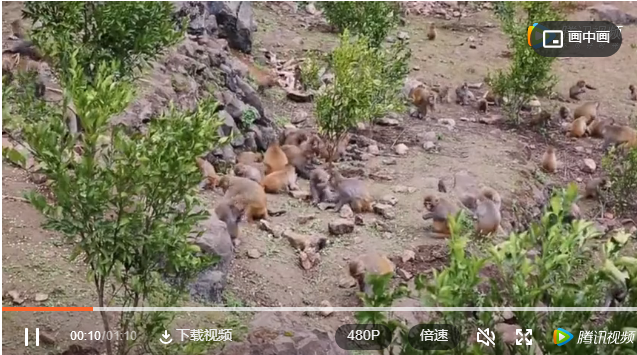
539	36
561	336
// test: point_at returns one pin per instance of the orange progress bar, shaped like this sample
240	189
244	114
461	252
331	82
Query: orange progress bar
47	309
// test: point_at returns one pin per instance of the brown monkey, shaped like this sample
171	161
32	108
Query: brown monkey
293	136
211	179
576	90
423	99
488	212
17	31
299	157
595	129
249	171
228	213
249	157
588	110
619	135
594	186
439	210
565	112
351	191
263	78
578	127
245	195
492	195
280	181
431	35
443	94
274	159
372	263
549	160
320	187
633	92
483	106
464	95
541	118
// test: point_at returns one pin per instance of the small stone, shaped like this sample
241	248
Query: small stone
309	259
389	200
326	312
358	220
253	254
390	161
401	149
373	149
589	166
347	282
471	39
297	241
304	219
456	14
408	255
609	215
579	149
406	275
365	157
448	121
386	121
430	136
266	226
15	297
472	46
388	235
381	226
346	212
384	210
381	177
325	205
47	338
341	226
402	35
41	297
491	119
400	189
416	68
300	194
508	315
429	146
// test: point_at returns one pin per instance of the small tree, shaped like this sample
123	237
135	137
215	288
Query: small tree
372	19
130	32
366	85
529	73
126	205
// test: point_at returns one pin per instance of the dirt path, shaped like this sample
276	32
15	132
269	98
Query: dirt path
35	262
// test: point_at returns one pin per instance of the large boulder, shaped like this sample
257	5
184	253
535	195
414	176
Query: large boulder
200	20
236	22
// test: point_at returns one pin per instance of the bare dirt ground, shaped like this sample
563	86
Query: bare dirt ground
34	260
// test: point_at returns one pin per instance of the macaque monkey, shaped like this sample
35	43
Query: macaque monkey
633	92
293	136
228	213
423	99
488	212
351	191
483	106
280	181
565	112
576	90
300	156
439	210
549	160
17	30
431	35
464	95
249	157
578	127
320	187
593	187
443	94
246	196
274	159
588	110
366	264
619	135
596	127
249	171
211	179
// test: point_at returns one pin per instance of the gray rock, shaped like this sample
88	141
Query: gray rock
264	136
250	143
611	13
236	22
384	210
341	226
250	97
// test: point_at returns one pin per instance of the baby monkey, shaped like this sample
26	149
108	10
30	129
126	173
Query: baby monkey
439	210
464	95
376	264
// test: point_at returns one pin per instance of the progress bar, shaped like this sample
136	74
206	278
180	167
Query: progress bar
318	309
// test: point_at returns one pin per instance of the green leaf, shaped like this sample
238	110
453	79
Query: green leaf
14	156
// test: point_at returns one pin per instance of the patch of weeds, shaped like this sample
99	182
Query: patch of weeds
540	177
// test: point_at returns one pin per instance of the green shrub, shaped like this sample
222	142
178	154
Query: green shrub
621	170
372	19
366	84
131	32
529	73
310	72
551	264
127	204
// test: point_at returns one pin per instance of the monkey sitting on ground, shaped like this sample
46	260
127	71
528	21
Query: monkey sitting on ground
299	157
488	212
594	187
249	157
565	113
211	179
351	191
588	110
576	90
439	210
633	92
431	35
293	136
249	171
549	160
423	99
274	159
464	95
320	187
246	196
578	128
624	136
231	215
280	181
442	94
372	263
483	106
596	128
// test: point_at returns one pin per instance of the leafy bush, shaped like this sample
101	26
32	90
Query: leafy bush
622	174
551	264
310	72
372	19
529	73
130	32
126	205
366	85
